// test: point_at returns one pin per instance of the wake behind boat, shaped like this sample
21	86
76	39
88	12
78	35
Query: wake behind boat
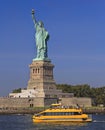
58	113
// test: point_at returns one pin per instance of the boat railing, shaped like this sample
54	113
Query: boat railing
64	107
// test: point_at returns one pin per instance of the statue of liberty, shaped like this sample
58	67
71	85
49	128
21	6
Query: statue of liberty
41	38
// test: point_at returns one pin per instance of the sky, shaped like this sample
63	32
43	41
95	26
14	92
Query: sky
76	46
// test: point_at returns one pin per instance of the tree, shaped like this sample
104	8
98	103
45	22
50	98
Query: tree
17	90
96	94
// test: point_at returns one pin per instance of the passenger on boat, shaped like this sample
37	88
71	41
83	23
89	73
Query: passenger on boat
78	107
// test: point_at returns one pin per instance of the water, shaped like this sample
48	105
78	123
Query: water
24	122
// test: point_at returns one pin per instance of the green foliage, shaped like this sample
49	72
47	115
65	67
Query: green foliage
97	94
17	90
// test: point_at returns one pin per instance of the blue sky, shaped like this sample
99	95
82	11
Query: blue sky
76	46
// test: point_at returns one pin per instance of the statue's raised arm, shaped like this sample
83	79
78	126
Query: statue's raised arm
33	17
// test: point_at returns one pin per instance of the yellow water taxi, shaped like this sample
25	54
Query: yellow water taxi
58	113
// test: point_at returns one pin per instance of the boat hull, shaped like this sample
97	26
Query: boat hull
61	120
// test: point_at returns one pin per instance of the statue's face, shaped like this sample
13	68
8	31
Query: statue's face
40	23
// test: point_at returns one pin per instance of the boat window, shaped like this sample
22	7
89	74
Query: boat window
66	113
43	114
56	113
48	113
60	113
77	113
63	113
37	115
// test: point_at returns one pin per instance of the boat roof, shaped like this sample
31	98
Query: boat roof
63	110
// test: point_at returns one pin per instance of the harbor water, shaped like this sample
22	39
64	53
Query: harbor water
24	122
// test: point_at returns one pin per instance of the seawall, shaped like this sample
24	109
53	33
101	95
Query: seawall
36	110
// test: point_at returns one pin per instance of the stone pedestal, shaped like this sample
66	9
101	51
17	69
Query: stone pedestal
41	79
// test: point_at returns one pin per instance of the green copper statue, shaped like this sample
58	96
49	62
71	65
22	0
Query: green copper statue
41	38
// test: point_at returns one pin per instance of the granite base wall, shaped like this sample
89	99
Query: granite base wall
83	102
49	101
41	102
21	102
